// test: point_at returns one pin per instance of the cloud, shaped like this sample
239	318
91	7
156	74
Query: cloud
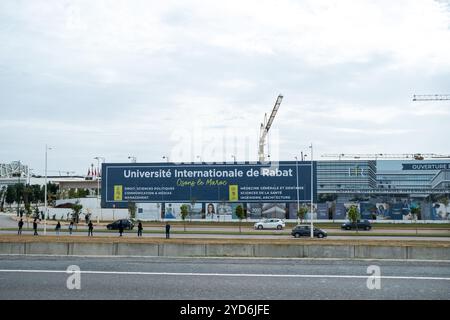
130	77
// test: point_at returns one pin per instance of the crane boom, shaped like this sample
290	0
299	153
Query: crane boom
266	126
431	97
415	156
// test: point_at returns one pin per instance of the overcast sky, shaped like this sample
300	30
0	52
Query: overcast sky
148	78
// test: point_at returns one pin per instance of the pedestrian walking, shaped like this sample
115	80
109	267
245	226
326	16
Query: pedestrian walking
90	229
140	229
167	230
70	227
35	227
20	227
57	228
120	228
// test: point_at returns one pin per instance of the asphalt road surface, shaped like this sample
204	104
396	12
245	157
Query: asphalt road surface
46	277
223	236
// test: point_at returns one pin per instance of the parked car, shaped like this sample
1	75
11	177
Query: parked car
360	224
305	231
126	223
270	224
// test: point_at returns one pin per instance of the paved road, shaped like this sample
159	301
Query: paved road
45	277
225	236
7	222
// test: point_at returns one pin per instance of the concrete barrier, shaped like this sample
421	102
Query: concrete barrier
137	249
93	249
324	251
428	253
380	252
281	251
350	251
12	248
230	250
180	250
46	248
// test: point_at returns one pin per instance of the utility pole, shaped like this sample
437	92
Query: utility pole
17	191
98	188
298	192
312	194
45	196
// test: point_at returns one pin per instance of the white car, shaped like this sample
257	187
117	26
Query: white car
270	224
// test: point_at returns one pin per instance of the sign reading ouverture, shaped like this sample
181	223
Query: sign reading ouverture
426	166
169	182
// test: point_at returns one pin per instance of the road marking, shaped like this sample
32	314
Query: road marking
221	258
261	275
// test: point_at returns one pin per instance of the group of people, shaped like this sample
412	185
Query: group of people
90	228
57	227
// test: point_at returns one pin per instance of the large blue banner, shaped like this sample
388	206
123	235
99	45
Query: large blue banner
170	182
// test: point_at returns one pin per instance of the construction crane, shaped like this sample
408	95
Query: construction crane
266	126
431	97
412	156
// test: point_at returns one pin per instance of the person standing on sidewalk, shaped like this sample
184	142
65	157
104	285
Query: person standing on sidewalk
90	229
35	227
167	230
140	229
70	227
120	228
20	227
57	228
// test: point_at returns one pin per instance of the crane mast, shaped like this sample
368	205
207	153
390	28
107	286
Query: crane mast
264	129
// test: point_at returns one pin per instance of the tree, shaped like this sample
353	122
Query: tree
76	211
184	212
10	195
193	202
19	195
353	215
416	212
301	213
241	214
132	209
2	198
27	212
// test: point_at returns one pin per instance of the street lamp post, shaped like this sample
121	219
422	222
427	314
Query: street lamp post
234	157
133	159
98	188
199	158
45	193
17	190
166	157
312	188
298	191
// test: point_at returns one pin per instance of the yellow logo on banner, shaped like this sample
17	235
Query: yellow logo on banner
118	193
234	196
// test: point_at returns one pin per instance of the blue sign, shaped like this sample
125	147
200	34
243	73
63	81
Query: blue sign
170	182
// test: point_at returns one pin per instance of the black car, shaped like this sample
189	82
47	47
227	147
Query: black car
305	231
360	224
126	224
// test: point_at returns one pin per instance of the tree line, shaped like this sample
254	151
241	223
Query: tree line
27	195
